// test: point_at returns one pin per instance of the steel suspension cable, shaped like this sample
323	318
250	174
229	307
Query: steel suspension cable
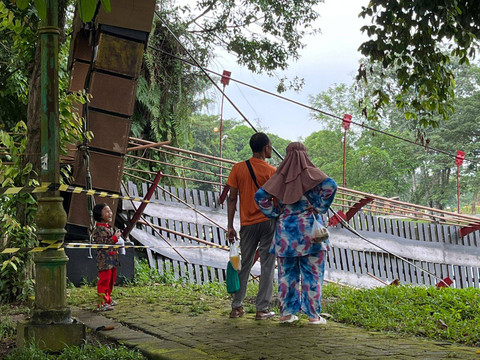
355	232
344	223
211	80
314	109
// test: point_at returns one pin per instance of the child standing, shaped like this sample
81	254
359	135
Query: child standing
107	258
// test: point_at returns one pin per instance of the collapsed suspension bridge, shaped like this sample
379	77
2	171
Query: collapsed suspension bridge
183	229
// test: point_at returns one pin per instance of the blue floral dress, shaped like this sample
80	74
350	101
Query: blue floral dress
296	253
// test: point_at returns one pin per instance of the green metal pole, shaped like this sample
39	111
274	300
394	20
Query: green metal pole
49	33
50	294
51	326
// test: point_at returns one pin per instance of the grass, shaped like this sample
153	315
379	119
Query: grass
443	314
87	351
8	317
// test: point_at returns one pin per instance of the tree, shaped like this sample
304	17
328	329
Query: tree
264	36
387	166
409	36
20	79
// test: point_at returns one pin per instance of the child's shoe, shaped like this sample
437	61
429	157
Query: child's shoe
105	307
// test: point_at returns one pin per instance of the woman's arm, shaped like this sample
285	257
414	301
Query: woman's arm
322	195
266	204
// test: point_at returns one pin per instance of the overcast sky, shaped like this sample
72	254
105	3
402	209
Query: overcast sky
329	57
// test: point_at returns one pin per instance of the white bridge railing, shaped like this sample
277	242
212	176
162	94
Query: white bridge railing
433	247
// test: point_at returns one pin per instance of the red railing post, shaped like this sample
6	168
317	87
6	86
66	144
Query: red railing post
143	205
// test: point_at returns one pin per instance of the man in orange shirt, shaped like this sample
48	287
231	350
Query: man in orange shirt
256	229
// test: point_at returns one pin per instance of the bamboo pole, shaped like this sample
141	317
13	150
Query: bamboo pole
173	176
473	218
146	146
210	157
367	209
402	209
174	165
187	236
187	158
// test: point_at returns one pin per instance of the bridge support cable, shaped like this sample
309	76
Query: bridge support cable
185	203
146	222
426	147
355	232
211	80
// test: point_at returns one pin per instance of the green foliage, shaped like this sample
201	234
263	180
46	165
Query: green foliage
71	124
408	37
263	34
145	275
18	33
8	327
445	314
86	351
380	164
15	272
18	30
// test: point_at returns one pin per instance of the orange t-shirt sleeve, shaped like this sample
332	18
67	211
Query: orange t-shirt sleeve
232	178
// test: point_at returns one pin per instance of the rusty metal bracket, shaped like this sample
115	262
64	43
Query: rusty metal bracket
142	206
464	231
334	221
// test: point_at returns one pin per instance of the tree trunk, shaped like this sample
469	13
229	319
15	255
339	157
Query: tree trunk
33	147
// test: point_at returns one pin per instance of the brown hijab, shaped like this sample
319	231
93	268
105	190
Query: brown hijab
295	175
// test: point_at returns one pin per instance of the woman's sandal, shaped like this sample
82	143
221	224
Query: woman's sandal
291	319
319	321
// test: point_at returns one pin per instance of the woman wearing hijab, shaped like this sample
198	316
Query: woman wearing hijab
295	194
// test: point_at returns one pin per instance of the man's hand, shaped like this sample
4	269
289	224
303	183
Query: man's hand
231	235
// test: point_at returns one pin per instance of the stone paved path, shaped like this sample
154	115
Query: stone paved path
162	334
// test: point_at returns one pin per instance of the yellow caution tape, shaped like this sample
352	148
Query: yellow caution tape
63	246
69	188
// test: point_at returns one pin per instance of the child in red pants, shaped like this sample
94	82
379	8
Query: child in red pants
107	258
